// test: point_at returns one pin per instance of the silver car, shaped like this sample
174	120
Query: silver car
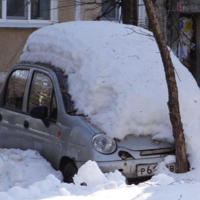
36	112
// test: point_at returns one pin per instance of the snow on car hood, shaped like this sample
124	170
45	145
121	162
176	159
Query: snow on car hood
116	77
142	143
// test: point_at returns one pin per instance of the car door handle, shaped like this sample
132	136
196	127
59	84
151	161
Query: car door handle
26	124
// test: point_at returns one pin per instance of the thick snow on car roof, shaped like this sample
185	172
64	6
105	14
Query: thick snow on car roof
116	77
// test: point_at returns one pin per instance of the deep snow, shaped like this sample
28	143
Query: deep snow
25	175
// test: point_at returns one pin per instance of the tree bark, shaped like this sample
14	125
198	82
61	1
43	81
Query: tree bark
127	11
173	103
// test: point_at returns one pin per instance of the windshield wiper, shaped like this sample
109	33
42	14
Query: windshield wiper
73	112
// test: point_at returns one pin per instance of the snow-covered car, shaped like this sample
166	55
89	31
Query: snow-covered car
46	106
37	113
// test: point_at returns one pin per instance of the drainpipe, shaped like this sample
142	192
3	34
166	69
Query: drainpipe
142	15
78	10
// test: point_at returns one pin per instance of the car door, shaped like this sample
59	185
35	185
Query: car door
11	113
39	135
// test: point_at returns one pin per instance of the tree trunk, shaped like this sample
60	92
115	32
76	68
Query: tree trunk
127	11
173	103
161	14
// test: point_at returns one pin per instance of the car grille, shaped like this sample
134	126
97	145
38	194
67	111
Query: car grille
157	151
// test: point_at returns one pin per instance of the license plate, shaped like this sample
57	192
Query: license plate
148	170
172	167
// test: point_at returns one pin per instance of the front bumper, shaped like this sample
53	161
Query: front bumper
127	167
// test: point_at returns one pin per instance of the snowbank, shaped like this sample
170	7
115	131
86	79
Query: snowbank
39	181
99	178
116	77
23	168
26	175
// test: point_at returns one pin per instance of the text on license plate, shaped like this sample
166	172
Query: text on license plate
148	170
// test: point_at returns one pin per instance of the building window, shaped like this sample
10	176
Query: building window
110	10
28	12
16	9
40	9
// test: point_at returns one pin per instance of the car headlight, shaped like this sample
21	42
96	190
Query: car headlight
103	144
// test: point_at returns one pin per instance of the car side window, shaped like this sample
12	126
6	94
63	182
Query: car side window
42	94
15	89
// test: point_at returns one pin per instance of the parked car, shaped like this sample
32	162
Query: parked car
36	112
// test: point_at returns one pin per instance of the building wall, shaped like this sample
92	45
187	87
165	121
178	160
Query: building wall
72	10
66	11
12	41
90	12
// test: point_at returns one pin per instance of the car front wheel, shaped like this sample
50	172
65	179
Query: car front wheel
69	171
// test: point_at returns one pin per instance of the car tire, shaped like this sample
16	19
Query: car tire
69	171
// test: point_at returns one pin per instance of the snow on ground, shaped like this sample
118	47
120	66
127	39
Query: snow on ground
121	83
25	175
23	168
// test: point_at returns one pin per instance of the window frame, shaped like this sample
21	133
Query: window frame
18	17
53	93
4	93
117	15
19	22
51	108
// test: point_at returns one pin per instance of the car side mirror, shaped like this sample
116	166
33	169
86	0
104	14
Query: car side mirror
40	112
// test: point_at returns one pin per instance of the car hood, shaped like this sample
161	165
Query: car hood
132	142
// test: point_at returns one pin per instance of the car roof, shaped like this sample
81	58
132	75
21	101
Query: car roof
43	66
